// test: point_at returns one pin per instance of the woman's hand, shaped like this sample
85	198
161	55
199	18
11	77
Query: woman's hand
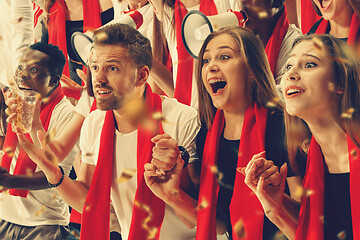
164	186
265	182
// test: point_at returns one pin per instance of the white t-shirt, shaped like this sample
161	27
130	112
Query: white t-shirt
170	35
41	207
84	104
181	123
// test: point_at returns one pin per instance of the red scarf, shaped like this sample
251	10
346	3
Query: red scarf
183	87
353	33
310	224
273	45
24	164
57	28
244	204
97	205
308	16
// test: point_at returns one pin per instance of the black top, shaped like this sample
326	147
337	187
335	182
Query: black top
228	156
315	27
337	207
77	26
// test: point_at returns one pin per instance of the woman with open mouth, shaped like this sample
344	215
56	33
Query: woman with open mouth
322	106
241	116
340	18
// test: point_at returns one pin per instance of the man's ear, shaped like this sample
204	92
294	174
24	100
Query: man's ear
142	75
54	81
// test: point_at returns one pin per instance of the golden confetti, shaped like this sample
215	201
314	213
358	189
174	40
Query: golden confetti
100	36
87	206
29	171
174	192
322	218
74	234
45	100
273	102
331	87
9	151
88	154
126	174
54	197
42	209
318	43
303	192
263	14
353	153
203	204
52	158
239	229
348	113
220	176
152	231
341	235
1	188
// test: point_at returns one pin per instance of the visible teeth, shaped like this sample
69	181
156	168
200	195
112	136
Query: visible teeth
103	92
215	80
292	91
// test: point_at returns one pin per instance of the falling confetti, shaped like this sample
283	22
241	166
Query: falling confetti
331	87
74	234
239	229
220	176
318	43
353	153
42	209
9	151
100	36
273	102
303	192
152	231
340	60
341	235
203	204
29	171
126	174
87	206
348	113
50	136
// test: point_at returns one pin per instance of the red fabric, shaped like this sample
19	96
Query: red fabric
24	164
244	204
97	205
184	75
273	45
353	33
310	224
57	29
308	16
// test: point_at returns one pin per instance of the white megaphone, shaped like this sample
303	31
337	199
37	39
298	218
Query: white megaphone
81	43
196	26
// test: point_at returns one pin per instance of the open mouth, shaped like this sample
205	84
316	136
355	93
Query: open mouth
24	87
217	85
292	91
103	92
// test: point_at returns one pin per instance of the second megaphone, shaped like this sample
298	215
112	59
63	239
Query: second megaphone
81	43
196	26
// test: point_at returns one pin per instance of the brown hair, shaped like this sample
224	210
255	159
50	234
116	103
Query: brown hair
263	88
138	46
347	78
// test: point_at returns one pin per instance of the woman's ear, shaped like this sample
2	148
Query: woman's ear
142	75
54	81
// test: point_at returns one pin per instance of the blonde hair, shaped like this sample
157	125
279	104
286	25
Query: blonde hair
263	88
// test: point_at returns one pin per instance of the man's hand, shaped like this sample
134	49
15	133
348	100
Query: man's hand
5	178
165	152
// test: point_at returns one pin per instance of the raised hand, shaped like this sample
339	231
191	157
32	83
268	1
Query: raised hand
165	152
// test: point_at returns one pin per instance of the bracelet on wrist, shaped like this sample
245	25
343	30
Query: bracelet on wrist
185	156
61	179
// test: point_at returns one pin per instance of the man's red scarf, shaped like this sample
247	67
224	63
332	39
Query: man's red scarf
97	205
311	221
57	28
273	45
353	38
244	204
183	86
24	165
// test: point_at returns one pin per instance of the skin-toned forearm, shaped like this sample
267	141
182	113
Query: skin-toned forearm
291	207
184	206
72	192
284	222
162	77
